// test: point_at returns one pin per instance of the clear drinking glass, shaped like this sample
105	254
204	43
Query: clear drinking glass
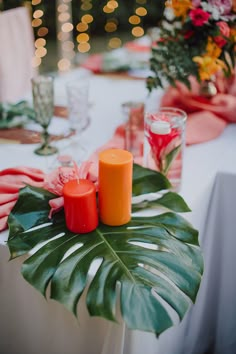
164	143
43	99
77	91
78	102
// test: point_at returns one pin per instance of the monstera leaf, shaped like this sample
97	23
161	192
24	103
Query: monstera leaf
137	265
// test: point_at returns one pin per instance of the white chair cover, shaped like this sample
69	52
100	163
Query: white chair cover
16	53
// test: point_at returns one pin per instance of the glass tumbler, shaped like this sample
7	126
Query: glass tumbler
164	143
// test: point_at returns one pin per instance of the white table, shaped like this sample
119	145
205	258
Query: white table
31	325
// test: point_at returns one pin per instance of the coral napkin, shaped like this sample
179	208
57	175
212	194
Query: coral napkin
207	118
11	180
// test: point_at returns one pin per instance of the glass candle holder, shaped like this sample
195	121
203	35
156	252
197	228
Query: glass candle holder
133	113
164	143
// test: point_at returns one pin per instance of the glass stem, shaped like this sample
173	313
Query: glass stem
45	137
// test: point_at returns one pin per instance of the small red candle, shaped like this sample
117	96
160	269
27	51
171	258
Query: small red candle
80	206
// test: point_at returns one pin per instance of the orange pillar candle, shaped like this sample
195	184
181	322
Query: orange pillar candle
80	206
115	186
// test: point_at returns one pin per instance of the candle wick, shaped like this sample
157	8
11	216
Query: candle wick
76	167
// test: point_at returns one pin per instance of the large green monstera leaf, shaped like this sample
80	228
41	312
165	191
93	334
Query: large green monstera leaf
138	265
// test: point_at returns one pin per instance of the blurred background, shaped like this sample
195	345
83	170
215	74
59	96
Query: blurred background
68	31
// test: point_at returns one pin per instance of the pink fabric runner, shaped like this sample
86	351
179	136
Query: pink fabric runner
207	118
11	180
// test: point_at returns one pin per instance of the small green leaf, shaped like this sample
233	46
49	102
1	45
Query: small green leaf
148	181
169	158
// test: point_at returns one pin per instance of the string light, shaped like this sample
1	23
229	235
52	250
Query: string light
141	11
112	24
65	28
136	19
83	27
65	35
115	42
36	2
41	31
37	14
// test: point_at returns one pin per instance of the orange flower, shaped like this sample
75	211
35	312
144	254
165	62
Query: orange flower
180	7
234	5
208	66
212	49
233	34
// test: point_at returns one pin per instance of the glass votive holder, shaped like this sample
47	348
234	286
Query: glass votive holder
133	140
164	143
78	101
133	112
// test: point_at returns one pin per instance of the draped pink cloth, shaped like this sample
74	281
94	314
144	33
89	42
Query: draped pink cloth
11	181
207	118
16	53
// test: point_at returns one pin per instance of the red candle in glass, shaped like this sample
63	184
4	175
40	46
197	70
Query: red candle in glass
80	206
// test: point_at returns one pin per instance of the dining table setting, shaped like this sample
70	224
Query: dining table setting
207	186
117	199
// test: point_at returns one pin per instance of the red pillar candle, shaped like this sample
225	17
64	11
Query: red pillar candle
80	206
115	186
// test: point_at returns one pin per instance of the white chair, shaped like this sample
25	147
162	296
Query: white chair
16	53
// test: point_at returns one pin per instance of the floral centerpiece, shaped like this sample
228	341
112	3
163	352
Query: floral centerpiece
197	38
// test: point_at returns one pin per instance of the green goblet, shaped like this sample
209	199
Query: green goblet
43	98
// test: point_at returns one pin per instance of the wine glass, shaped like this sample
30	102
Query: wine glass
43	99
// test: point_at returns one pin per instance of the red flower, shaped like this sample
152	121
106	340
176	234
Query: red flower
199	17
161	145
188	34
224	32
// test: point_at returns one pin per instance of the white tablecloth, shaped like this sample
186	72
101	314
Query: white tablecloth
29	324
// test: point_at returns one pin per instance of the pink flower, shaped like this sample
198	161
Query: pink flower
224	32
223	6
199	17
55	181
196	3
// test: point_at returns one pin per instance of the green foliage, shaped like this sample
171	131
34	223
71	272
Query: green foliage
171	61
136	263
12	115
